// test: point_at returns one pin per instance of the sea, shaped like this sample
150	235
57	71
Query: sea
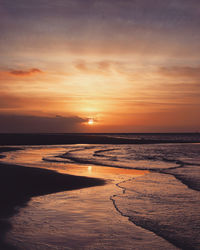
152	194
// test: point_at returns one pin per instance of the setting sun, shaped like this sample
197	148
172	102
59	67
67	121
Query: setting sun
90	121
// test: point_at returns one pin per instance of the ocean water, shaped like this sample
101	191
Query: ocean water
185	137
164	201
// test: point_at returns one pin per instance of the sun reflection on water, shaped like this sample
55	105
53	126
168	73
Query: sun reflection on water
89	169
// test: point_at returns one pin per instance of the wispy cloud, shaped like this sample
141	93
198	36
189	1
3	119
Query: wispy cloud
20	72
28	72
177	71
11	102
97	67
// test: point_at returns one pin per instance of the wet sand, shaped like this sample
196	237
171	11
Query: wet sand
18	184
82	219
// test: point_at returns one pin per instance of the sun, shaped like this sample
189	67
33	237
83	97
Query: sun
90	121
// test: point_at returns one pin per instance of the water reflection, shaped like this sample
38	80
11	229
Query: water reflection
33	157
89	169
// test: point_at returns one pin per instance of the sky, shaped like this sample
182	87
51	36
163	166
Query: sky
129	65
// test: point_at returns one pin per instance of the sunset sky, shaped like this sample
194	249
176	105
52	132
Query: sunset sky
130	65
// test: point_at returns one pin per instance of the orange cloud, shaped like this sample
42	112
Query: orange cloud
81	65
20	73
100	67
189	72
30	103
25	72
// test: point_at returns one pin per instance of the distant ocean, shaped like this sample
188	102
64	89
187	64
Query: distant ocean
157	136
166	201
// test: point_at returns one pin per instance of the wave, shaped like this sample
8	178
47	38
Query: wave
109	161
159	204
165	159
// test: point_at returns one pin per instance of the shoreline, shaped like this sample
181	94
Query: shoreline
89	169
18	184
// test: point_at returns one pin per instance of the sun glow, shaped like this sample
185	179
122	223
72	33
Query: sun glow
90	121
